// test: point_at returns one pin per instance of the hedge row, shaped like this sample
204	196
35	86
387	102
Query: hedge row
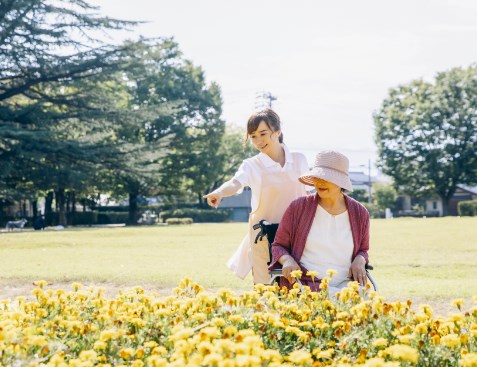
179	221
197	215
467	208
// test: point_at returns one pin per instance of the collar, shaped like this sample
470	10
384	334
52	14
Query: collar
269	162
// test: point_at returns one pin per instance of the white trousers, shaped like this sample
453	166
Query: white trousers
260	256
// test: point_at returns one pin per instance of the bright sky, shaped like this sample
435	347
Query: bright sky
329	63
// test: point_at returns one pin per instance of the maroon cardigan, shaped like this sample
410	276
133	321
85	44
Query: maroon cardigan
295	225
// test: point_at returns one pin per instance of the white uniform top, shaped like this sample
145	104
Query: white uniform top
329	246
273	188
251	170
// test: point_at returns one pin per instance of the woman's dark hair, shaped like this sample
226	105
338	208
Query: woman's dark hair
267	115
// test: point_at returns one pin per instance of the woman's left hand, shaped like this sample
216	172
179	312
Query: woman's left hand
358	271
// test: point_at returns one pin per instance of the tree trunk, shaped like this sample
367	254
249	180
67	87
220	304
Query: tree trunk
133	209
23	208
73	201
68	206
60	203
34	208
202	201
49	209
73	207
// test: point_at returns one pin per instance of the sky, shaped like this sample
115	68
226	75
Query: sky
330	64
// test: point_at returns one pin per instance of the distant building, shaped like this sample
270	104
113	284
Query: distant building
433	205
239	204
361	180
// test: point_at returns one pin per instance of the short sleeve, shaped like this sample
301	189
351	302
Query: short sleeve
243	175
303	164
304	168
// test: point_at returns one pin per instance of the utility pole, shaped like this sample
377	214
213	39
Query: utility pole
265	99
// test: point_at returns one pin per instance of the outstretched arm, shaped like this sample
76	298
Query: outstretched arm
228	188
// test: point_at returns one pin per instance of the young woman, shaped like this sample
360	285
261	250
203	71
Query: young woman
272	176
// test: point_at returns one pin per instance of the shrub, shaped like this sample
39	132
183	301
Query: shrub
83	218
112	217
52	218
179	221
112	208
197	215
467	208
373	211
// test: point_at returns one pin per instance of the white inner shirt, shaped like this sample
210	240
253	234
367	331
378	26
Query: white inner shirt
329	246
251	170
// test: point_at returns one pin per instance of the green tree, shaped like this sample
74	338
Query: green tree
359	194
162	75
45	46
384	196
427	134
65	113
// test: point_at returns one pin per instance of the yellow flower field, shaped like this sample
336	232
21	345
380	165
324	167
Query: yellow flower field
263	327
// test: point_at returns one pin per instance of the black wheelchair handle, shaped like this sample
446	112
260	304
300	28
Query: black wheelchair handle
369	267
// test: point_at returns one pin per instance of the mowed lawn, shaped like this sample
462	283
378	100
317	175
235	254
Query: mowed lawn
433	259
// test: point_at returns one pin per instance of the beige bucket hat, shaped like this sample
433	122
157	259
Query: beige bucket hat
330	166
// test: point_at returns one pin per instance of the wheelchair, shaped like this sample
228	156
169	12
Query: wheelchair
269	230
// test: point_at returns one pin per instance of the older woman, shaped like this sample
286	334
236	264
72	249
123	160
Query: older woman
328	230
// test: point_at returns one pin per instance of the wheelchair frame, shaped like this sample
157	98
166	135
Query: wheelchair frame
269	230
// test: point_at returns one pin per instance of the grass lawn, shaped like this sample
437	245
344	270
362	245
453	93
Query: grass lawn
428	260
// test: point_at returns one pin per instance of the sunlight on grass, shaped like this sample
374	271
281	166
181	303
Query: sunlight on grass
429	258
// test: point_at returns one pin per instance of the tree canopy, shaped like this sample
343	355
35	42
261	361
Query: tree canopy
426	134
80	116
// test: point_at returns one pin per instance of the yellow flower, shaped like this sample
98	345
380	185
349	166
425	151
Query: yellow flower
156	361
127	353
469	360
405	339
108	334
76	286
150	344
380	342
379	362
100	345
450	340
182	334
160	350
137	363
325	354
300	357
88	355
296	274
229	331
426	309
331	272
403	352
212	359
312	274
456	317
37	340
236	318
458	303
40	283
